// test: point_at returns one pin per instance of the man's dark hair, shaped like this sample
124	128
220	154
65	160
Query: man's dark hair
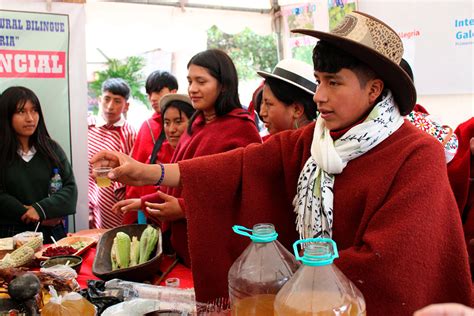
116	86
289	94
158	80
329	58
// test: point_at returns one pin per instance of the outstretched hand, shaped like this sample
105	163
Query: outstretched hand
124	168
169	210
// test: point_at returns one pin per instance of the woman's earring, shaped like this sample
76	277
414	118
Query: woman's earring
296	125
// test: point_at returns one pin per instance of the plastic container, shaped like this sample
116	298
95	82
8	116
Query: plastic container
260	271
319	288
56	183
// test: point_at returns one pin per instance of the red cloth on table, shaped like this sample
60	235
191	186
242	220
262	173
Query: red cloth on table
179	271
233	130
396	222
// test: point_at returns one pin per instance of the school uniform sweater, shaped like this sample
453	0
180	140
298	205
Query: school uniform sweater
233	130
396	222
118	137
27	183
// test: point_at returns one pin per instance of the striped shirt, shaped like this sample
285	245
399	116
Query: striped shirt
118	137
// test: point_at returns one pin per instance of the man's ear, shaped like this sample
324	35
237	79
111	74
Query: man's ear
125	108
174	91
375	89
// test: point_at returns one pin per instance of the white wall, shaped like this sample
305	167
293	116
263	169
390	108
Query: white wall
442	67
78	92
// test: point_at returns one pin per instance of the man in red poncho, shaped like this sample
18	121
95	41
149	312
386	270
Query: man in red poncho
361	174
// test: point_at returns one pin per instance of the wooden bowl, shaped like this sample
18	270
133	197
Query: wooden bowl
102	266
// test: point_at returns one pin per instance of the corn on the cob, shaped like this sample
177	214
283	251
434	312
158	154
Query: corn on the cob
113	254
148	242
134	251
34	243
123	250
18	258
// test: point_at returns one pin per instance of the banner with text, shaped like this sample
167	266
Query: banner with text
34	53
438	38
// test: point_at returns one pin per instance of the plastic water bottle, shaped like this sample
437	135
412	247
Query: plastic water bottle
56	183
319	288
260	271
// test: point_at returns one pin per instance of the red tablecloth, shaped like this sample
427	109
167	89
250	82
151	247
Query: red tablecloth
179	271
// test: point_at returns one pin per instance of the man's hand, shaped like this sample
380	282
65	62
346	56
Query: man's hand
124	206
169	210
30	216
125	169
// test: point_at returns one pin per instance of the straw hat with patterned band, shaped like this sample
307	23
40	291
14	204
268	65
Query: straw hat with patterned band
295	72
376	44
174	97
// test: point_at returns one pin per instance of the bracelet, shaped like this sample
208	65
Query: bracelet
162	177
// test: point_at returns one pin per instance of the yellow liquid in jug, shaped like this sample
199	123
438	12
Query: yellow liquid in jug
258	305
102	182
295	306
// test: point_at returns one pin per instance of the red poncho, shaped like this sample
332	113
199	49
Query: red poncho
460	170
233	130
396	222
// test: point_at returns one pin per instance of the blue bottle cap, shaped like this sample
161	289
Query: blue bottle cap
317	251
55	170
263	233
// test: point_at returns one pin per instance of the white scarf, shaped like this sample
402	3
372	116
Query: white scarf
314	197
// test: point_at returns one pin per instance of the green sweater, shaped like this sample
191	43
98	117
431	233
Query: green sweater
27	183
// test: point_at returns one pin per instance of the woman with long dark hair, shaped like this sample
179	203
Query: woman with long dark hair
28	160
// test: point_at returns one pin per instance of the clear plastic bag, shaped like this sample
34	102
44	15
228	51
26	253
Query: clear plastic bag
71	304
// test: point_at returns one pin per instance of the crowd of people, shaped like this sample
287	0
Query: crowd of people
347	154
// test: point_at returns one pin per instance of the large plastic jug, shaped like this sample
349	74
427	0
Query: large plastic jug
260	271
319	288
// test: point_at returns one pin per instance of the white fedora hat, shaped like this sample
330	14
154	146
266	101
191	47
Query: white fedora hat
295	72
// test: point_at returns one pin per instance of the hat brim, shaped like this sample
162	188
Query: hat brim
394	77
167	99
265	75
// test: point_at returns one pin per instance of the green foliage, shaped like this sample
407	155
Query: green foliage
337	13
303	53
129	70
249	51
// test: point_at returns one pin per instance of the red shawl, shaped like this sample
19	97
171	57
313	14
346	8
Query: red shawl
233	130
395	220
460	170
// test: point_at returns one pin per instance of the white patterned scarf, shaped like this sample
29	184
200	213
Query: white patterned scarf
314	197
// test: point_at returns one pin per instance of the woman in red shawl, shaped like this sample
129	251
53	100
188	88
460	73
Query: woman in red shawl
219	125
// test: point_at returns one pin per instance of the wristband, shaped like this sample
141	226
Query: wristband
162	177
